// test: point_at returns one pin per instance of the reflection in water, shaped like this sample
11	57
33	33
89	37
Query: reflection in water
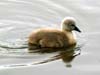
66	54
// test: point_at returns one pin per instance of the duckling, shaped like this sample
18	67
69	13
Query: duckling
55	38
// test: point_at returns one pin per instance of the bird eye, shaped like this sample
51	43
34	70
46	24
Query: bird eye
72	25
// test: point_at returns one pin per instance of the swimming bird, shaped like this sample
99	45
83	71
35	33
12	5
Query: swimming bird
54	38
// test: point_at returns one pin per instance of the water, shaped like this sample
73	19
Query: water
19	17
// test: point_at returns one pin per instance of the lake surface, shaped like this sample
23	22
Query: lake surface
19	17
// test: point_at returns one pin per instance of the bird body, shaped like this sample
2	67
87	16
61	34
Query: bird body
51	38
54	38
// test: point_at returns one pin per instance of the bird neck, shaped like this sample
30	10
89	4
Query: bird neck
70	36
65	27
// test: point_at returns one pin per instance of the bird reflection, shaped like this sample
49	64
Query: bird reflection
65	54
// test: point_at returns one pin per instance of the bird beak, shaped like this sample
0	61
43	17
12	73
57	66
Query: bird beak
77	29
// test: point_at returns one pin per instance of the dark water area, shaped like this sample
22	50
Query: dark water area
19	17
